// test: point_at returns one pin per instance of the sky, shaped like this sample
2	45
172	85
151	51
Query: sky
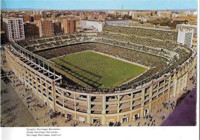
100	4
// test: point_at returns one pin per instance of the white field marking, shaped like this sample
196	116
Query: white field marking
117	84
122	59
104	55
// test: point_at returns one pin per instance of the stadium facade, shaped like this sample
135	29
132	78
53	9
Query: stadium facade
88	106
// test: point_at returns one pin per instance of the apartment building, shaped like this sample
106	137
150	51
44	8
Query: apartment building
14	28
57	27
47	28
69	26
31	30
26	18
185	34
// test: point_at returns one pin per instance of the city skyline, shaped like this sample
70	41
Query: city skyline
100	4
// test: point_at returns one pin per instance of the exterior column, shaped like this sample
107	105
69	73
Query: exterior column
47	87
186	80
104	110
36	79
28	72
118	108
32	81
180	85
175	85
54	95
131	107
150	97
169	85
75	104
47	69
142	104
62	95
193	66
88	109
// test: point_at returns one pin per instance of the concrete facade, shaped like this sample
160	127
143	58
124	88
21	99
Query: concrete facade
118	22
185	34
47	28
92	24
31	30
14	28
69	26
89	107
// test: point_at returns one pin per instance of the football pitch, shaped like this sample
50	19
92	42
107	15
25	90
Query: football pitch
97	70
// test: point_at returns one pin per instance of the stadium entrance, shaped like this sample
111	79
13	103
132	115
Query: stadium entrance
124	119
136	117
96	120
146	112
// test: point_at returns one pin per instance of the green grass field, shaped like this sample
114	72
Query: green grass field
98	70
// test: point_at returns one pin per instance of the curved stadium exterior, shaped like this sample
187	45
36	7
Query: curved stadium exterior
170	67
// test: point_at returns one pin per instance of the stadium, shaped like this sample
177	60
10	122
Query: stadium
114	76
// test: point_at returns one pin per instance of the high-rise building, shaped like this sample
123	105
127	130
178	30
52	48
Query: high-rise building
14	28
47	28
44	14
53	16
37	17
31	30
69	26
26	18
32	19
38	23
185	34
57	28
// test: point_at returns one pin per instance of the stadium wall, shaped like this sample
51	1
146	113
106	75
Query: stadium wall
89	107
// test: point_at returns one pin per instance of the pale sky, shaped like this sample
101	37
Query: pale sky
100	4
